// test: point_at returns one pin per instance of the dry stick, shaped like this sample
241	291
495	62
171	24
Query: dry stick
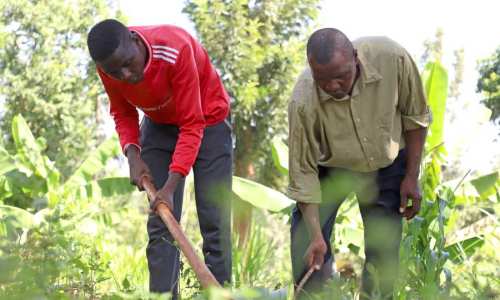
204	275
303	281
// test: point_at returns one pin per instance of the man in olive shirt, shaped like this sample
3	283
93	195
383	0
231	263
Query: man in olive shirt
358	119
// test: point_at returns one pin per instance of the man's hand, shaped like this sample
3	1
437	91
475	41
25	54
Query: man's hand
138	168
415	140
166	193
410	190
165	196
315	253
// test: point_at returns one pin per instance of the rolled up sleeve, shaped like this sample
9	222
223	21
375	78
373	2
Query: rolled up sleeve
412	104
304	185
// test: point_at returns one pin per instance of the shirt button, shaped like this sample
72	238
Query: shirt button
365	139
371	158
358	120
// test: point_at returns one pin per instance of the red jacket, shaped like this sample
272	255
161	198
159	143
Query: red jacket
180	87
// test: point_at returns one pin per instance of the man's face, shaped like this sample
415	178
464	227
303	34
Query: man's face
337	77
128	61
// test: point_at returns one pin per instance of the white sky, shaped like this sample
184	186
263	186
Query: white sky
472	25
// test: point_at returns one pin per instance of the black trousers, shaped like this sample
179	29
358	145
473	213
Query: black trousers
212	180
379	201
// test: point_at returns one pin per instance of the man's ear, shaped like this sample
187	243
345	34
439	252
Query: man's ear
356	58
134	36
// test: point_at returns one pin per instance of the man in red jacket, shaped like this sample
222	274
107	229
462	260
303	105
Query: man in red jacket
167	74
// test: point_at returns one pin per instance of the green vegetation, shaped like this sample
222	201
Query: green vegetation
489	83
72	227
46	75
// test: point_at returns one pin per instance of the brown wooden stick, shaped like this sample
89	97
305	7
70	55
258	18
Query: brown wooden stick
303	282
204	275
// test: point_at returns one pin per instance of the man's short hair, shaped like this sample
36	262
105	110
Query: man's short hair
326	41
104	38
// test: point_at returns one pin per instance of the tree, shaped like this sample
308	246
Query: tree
433	48
458	67
258	47
46	74
489	83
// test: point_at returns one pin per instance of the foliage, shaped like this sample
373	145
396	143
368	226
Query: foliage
489	83
246	41
69	246
48	257
30	179
435	79
458	66
46	75
422	248
80	234
259	195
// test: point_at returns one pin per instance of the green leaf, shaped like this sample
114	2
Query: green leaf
354	248
94	163
280	155
352	236
464	249
105	187
259	195
125	283
30	155
115	186
480	188
7	162
27	147
435	79
23	218
486	185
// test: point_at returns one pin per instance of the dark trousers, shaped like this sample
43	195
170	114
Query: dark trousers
379	201
212	180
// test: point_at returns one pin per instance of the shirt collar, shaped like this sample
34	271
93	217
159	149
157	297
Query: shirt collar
368	74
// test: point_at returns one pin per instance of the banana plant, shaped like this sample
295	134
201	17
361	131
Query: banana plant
423	254
259	195
30	180
435	78
482	188
280	155
33	175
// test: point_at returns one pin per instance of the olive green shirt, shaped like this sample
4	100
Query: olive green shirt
362	133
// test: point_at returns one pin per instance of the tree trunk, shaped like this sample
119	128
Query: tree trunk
243	167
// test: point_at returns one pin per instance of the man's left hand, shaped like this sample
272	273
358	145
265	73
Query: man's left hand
410	190
164	196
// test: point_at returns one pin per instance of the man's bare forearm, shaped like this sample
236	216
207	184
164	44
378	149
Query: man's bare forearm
310	213
415	140
132	152
173	180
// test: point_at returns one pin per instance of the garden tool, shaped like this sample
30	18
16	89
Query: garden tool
303	281
204	275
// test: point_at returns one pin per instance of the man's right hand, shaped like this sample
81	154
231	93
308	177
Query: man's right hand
138	167
315	253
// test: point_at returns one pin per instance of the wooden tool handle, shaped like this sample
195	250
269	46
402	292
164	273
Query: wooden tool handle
204	275
302	282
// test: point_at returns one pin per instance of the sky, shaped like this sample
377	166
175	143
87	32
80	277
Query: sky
472	25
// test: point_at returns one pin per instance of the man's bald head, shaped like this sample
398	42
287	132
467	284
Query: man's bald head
323	43
333	62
